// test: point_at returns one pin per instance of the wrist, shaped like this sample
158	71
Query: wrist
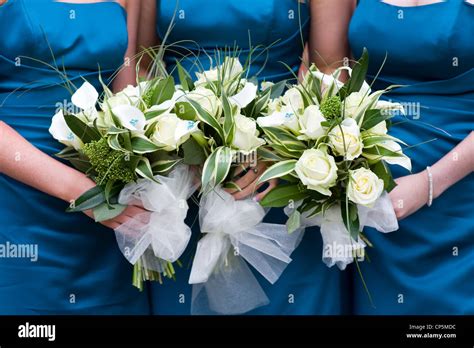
77	184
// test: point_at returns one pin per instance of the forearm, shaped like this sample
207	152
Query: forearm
22	161
127	74
454	166
328	43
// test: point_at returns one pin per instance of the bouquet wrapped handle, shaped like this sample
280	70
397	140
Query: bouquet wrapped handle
235	237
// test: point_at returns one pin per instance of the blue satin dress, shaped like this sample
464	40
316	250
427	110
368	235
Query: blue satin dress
427	267
79	269
307	286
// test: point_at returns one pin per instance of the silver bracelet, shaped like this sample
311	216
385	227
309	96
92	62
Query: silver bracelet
430	183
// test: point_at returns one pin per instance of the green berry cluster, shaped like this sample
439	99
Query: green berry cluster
109	164
331	107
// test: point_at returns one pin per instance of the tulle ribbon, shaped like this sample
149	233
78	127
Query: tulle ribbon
338	246
160	234
235	236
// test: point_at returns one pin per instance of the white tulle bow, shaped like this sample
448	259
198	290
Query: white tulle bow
234	232
161	233
339	248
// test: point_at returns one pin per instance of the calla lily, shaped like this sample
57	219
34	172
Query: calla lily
130	117
86	98
61	132
403	161
245	96
285	118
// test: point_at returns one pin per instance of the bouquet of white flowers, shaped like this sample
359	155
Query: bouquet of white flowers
226	104
132	147
329	142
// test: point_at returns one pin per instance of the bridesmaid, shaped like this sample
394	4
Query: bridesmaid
307	286
73	265
427	266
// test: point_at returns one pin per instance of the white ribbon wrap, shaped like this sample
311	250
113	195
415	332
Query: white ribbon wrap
234	232
338	245
161	233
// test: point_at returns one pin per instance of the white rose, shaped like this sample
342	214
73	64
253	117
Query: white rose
346	140
294	99
273	106
206	99
317	170
130	117
207	76
61	132
226	71
231	68
171	131
246	134
356	104
285	118
364	187
310	123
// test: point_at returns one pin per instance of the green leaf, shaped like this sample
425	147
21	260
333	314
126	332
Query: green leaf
193	152
232	185
378	151
88	200
293	222
224	160
277	89
373	117
266	154
383	172
281	195
163	90
216	167
208	119
277	170
359	73
106	211
229	122
81	130
184	78
116	130
144	169
284	138
164	166
350	218
185	111
142	145
114	142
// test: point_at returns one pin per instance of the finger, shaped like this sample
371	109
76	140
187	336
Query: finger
249	178
133	210
110	224
240	168
271	184
246	192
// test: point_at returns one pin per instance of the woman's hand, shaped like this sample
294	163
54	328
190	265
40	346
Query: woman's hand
248	183
410	194
129	213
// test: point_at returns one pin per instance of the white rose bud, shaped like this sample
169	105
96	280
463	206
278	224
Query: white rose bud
310	123
317	170
206	99
364	187
355	104
346	140
294	99
171	131
246	134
